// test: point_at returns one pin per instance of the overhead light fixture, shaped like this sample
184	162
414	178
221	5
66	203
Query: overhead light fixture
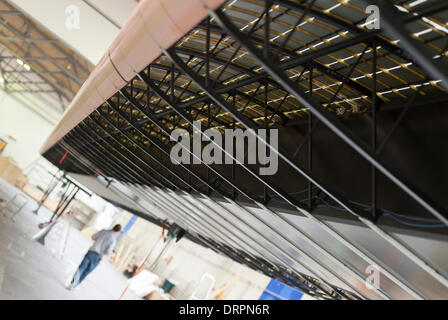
416	3
27	67
19	61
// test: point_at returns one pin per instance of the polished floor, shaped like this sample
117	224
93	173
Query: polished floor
30	270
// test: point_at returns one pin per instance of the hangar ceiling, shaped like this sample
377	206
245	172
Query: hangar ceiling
34	63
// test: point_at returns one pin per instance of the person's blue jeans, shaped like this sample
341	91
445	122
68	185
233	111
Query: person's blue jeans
90	262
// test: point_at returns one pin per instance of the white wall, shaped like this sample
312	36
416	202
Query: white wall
28	128
189	262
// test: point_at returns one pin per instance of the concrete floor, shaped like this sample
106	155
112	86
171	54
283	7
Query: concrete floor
29	270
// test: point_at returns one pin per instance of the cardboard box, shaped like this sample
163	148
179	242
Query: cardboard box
9	171
2	145
157	295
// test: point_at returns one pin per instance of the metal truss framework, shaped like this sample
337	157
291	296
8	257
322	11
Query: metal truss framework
34	61
248	66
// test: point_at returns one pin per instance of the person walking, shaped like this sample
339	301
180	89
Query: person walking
105	241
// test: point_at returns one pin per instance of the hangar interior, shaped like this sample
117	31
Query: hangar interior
347	97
